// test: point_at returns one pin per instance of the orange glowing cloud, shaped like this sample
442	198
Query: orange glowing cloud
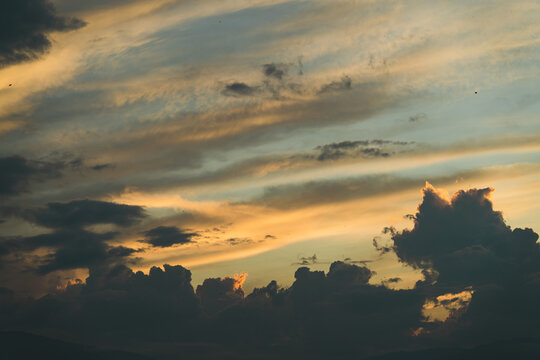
239	280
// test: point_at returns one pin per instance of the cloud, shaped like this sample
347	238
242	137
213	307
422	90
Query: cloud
79	213
462	243
239	241
116	303
485	274
18	172
25	27
344	84
167	236
239	89
349	148
276	70
465	241
74	249
72	246
217	294
100	167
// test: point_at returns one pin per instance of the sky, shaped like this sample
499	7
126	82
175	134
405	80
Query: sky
244	139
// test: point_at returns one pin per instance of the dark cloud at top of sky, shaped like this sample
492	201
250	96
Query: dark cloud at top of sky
17	172
80	213
24	29
167	236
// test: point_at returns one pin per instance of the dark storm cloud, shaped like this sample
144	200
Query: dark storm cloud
217	294
344	84
340	306
79	213
116	301
24	29
17	173
467	242
239	89
463	243
167	236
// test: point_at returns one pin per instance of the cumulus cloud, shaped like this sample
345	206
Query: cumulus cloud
25	27
466	241
462	243
340	306
216	294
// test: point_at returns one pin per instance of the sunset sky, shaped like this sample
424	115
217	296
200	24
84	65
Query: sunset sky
256	136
